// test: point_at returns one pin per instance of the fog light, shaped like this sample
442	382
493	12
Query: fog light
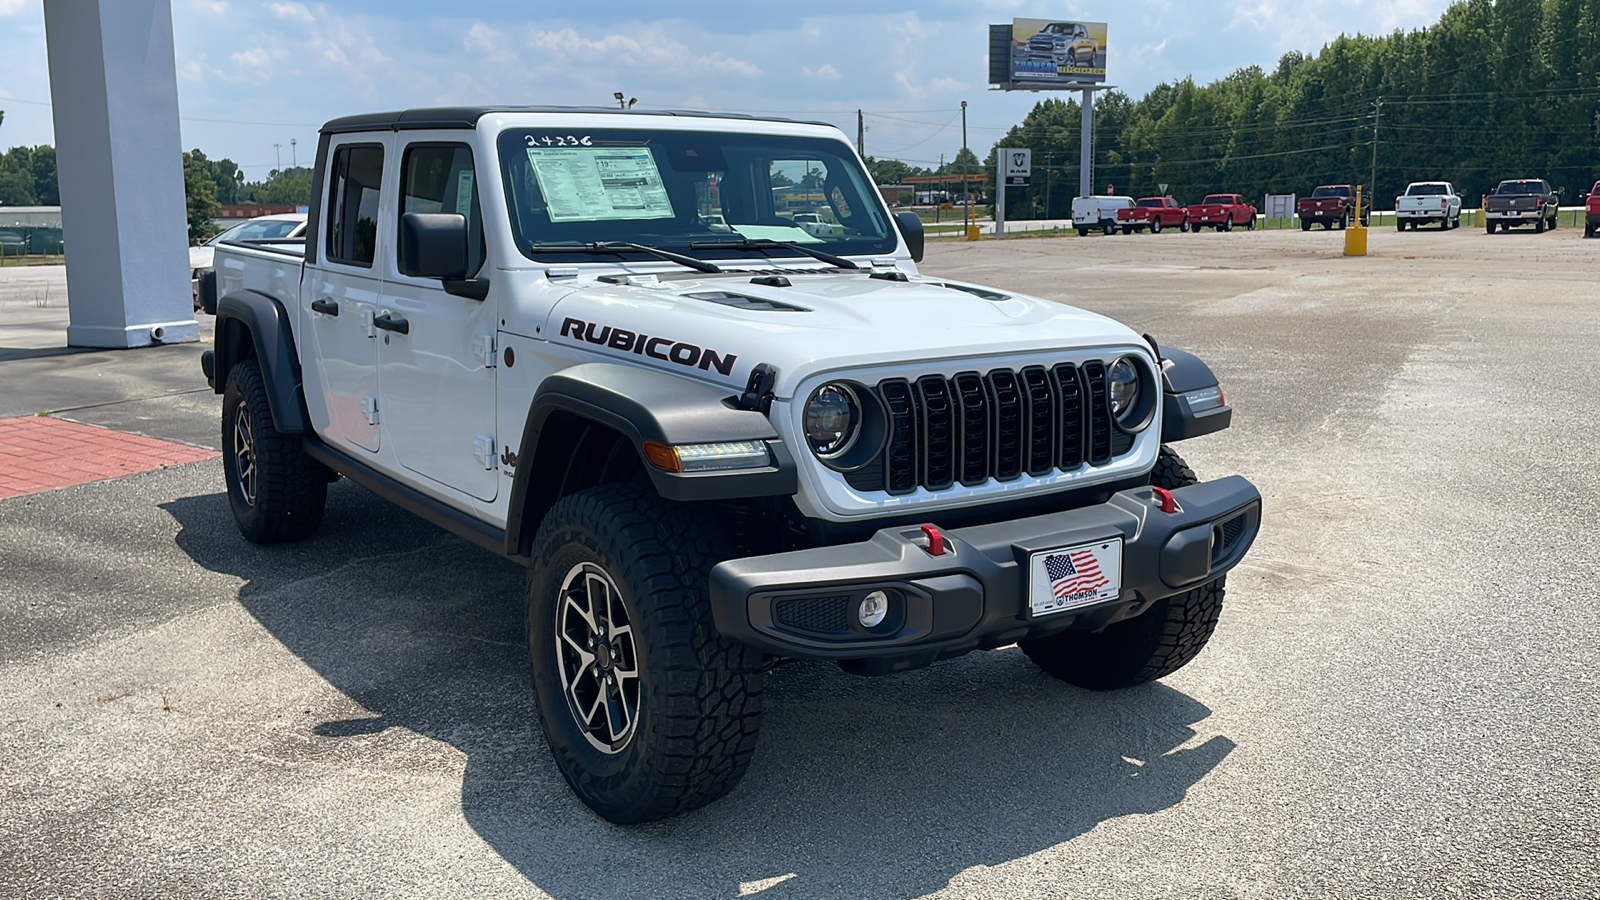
874	609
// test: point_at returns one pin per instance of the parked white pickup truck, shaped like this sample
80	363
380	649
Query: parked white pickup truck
1427	202
587	341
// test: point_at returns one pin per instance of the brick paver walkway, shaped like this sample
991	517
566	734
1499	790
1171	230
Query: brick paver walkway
39	453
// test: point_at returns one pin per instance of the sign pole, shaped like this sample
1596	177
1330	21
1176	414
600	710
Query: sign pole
1086	150
1000	205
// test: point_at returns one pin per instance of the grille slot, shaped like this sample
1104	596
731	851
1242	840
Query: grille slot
901	450
1007	424
938	433
813	615
1225	536
974	401
974	428
1099	431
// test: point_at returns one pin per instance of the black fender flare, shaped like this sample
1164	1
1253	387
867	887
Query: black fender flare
644	405
1183	374
251	320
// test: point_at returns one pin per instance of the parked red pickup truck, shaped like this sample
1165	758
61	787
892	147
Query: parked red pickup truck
1222	212
1591	221
1154	213
1330	205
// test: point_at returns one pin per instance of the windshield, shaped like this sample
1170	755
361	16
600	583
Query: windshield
1331	192
1521	187
257	230
1425	190
671	189
1218	200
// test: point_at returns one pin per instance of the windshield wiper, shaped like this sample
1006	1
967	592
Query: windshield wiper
770	244
698	265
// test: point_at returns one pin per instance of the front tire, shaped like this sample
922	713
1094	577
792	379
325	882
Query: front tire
1159	641
276	491
657	715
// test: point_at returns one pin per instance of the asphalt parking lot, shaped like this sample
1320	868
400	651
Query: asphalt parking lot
1399	702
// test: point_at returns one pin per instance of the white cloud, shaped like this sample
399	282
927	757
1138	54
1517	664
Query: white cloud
12	7
207	7
826	73
292	12
652	51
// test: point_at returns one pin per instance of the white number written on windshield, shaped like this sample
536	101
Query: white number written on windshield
558	140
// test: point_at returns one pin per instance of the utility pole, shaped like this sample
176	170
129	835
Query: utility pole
277	154
294	159
1372	185
861	134
966	197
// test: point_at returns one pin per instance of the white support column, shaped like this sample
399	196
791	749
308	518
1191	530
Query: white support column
114	93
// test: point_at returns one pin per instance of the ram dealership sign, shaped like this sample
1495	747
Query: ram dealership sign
1056	52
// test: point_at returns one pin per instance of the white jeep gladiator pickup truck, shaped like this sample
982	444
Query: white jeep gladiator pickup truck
586	341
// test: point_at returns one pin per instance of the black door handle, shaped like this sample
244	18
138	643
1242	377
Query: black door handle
392	322
326	307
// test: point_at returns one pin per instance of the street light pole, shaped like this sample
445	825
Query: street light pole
966	196
277	156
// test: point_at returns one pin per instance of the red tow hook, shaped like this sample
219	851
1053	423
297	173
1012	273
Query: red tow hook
1165	500
935	540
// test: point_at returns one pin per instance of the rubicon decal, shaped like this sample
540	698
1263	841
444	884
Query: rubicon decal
684	354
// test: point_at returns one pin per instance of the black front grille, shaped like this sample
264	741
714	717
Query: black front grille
996	425
813	615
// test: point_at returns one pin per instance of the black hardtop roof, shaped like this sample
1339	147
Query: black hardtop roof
444	117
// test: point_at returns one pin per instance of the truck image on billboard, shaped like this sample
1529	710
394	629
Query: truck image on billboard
1057	52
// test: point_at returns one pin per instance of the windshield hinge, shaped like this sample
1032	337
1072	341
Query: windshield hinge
757	396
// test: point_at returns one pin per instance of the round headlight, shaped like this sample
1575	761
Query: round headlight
1122	382
832	420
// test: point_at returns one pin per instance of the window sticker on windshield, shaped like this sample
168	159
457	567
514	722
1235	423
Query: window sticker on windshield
598	184
464	193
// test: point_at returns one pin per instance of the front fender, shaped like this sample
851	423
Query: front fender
252	323
1183	374
645	405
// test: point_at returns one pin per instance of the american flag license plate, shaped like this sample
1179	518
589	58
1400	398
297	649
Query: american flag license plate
1073	577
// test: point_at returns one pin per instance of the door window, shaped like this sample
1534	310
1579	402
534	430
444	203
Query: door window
439	178
353	205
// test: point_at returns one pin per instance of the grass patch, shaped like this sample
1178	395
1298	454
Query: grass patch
32	260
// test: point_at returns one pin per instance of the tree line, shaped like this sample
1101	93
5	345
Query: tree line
1493	90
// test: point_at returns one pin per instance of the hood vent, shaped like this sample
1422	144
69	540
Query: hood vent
744	301
975	291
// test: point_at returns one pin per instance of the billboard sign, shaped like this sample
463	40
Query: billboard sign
1017	163
1057	52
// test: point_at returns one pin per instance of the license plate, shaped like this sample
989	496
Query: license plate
1073	577
1515	213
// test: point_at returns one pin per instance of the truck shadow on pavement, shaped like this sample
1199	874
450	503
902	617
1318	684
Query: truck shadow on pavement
885	787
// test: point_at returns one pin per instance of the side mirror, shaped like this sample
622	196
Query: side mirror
911	229
433	245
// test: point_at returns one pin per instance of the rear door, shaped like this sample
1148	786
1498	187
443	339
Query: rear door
438	374
341	289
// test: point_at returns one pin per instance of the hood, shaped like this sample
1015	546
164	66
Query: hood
719	327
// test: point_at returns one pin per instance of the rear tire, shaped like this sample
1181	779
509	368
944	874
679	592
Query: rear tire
1152	645
1305	225
1488	226
1588	229
1538	226
1155	226
1227	224
276	491
695	695
1083	232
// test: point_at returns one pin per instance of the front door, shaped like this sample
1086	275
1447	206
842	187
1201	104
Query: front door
438	375
342	287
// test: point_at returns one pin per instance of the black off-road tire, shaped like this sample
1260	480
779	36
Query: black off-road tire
1305	224
1152	645
699	693
1538	226
277	492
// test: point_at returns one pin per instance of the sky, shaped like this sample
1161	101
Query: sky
257	73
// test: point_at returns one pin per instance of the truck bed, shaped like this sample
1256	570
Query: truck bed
270	267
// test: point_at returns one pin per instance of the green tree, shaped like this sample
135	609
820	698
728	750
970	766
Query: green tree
200	192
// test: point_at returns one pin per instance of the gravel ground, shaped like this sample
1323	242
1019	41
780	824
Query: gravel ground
1398	702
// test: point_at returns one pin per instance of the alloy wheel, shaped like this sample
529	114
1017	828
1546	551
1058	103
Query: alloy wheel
598	657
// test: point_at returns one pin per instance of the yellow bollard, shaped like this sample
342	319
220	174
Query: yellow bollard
972	232
1355	237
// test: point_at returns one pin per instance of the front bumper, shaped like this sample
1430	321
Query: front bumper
975	596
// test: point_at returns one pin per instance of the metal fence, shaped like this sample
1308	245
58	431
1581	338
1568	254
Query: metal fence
27	240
